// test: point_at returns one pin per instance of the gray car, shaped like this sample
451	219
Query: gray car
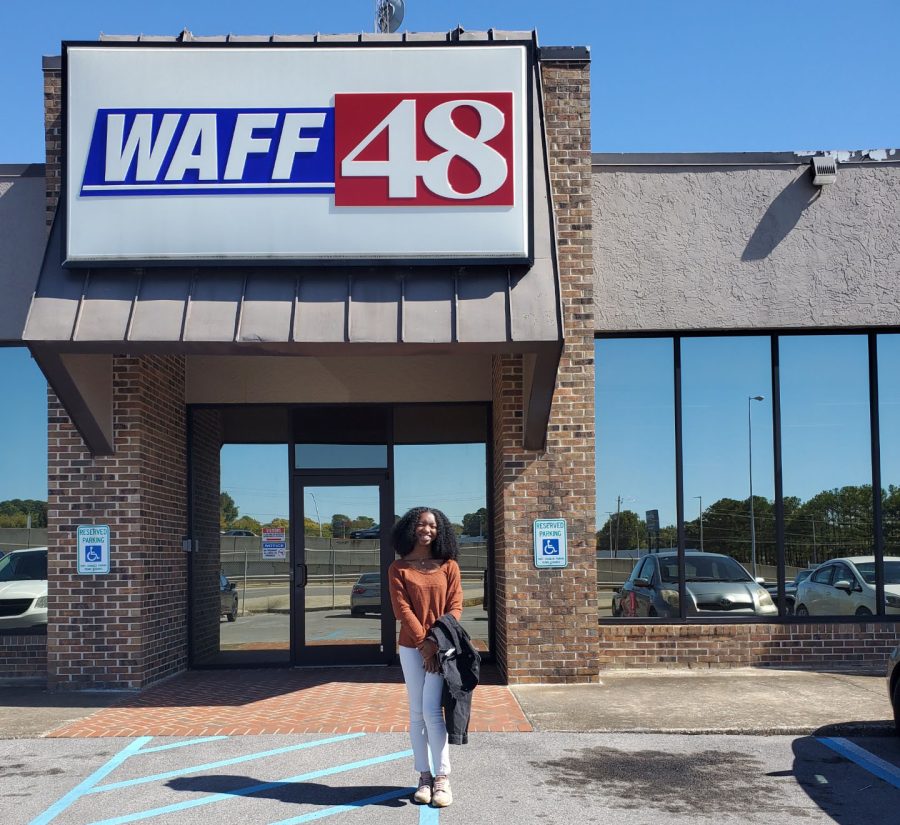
228	598
366	594
716	585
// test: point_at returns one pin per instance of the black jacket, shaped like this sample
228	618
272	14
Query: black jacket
460	666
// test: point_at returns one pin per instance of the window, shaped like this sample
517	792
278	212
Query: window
775	449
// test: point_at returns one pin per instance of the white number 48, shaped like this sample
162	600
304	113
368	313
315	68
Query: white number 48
402	168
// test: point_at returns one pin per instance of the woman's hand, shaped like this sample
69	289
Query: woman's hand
428	650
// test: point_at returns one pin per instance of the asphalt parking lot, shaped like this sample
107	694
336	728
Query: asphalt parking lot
542	778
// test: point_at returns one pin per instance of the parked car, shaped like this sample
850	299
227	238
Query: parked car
846	587
236	532
23	588
790	589
893	682
372	532
717	585
228	598
366	594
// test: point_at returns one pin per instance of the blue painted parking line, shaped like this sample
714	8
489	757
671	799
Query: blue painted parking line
350	806
251	789
180	744
84	787
873	764
428	815
223	763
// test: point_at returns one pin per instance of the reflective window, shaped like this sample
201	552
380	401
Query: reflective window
241	588
827	471
889	425
727	449
340	456
635	466
453	479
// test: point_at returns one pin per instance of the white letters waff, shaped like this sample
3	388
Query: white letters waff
402	168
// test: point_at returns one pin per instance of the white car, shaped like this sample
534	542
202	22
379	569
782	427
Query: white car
23	589
846	587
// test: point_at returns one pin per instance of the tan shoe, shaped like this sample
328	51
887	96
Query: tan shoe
441	795
423	792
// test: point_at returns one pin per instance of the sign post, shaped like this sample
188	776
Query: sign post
550	543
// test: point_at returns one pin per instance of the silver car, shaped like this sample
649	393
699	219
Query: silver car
366	594
846	587
23	589
716	585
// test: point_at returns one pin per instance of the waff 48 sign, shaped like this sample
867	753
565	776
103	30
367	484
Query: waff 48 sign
374	174
370	150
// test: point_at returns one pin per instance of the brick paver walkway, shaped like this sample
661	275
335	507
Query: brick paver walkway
246	702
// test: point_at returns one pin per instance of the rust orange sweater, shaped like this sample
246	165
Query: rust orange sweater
420	598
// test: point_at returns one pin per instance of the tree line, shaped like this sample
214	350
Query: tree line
14	512
339	526
832	523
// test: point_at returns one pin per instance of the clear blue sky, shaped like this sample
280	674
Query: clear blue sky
745	75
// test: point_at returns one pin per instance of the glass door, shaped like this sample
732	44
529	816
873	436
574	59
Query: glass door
341	609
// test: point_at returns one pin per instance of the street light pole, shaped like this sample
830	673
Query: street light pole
701	521
750	469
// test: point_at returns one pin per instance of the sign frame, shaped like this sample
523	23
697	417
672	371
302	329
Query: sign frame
99	536
525	169
549	530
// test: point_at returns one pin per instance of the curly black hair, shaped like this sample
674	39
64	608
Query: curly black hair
444	545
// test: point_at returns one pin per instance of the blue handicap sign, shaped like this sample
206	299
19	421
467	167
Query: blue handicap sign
93	552
551	547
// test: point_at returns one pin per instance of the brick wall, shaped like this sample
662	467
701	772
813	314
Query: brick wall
52	131
126	629
547	619
206	443
23	656
746	645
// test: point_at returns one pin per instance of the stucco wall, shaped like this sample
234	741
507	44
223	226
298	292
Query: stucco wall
729	248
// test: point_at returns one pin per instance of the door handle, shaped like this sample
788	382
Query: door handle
301	577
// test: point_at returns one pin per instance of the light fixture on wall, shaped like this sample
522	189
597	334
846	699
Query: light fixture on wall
824	168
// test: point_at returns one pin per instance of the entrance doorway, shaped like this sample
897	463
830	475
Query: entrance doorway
341	611
291	513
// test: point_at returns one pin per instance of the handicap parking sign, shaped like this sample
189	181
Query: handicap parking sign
550	548
93	549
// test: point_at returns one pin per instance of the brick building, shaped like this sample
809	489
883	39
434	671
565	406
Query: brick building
157	361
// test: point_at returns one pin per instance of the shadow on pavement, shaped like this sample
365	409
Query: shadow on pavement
846	792
296	793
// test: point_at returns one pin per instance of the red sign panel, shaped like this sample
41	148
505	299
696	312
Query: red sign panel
424	149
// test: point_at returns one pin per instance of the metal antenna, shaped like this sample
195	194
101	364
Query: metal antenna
388	15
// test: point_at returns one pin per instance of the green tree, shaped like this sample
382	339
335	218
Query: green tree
246	523
622	531
14	512
340	526
228	510
475	524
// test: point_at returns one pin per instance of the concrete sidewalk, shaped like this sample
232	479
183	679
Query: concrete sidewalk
758	701
739	701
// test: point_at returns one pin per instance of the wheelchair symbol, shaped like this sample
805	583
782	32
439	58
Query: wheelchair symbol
93	552
551	547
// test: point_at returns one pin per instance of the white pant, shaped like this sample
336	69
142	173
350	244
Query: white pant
426	719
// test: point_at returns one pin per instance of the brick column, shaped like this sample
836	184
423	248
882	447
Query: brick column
126	629
53	131
547	619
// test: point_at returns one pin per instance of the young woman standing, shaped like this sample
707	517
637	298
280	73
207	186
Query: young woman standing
425	585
